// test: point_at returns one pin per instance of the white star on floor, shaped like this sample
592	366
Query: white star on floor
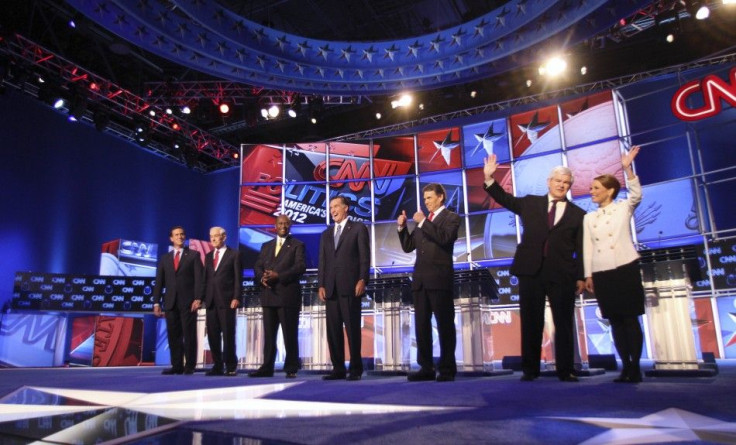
243	402
669	425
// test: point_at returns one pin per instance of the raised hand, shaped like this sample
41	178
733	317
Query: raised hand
628	158
401	221
489	167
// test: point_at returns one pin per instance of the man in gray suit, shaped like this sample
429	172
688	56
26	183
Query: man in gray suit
344	267
179	272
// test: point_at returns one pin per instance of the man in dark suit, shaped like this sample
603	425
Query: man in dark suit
432	282
278	269
179	275
222	284
344	267
548	262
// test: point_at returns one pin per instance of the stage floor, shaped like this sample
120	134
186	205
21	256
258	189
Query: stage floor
139	405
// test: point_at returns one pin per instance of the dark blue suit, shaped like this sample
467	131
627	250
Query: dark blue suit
180	288
340	269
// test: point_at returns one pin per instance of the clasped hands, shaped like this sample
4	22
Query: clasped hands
269	277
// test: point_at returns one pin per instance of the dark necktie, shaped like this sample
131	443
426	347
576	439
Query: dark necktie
551	213
431	216
216	259
337	234
176	259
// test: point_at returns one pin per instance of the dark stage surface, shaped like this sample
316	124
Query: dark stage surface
139	405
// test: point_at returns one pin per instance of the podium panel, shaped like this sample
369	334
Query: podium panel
392	336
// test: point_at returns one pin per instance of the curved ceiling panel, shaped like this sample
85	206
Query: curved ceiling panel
202	35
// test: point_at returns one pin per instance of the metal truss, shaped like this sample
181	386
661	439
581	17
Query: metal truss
102	94
539	98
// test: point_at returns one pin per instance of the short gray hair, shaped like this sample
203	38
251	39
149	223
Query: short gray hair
219	230
562	170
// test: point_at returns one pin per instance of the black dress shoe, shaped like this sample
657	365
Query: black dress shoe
334	376
231	373
291	375
354	377
422	375
635	377
188	371
213	372
261	373
527	377
445	378
568	378
172	371
623	378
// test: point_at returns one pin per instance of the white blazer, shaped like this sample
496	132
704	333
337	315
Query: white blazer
607	242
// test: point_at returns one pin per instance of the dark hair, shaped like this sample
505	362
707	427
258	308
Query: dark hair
171	232
342	198
609	182
438	190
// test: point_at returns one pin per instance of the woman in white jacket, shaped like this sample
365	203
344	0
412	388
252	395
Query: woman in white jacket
612	266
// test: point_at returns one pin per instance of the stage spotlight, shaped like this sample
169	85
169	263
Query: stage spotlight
529	83
224	108
169	111
403	101
175	126
59	103
186	110
584	70
236	155
264	113
313	120
473	94
421	107
702	13
378	116
553	67
291	112
152	112
77	107
273	111
670	38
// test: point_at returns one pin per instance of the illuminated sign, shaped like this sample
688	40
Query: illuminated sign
713	89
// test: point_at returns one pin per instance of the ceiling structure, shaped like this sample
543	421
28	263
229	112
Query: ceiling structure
128	61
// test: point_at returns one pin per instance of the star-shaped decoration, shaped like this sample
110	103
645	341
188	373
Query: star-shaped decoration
159	41
177	49
339	72
345	53
182	29
414	49
457	37
162	18
445	148
434	44
399	70
480	27
732	339
532	129
479	53
261	60
369	53
521	8
486	140
259	34
203	39
359	73
324	51
458	59
280	64
419	68
299	68
319	70
501	18
380	72
121	20
439	63
303	47
222	48
238	26
101	8
141	32
390	52
282	42
134	413
240	54
669	425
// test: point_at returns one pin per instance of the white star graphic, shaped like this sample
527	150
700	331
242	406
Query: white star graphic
445	148
669	425
165	409
486	141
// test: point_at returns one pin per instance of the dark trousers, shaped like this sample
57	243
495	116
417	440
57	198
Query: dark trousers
221	337
532	292
341	311
439	303
288	318
181	329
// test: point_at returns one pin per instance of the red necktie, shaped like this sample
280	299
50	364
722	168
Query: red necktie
176	259
431	216
217	259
